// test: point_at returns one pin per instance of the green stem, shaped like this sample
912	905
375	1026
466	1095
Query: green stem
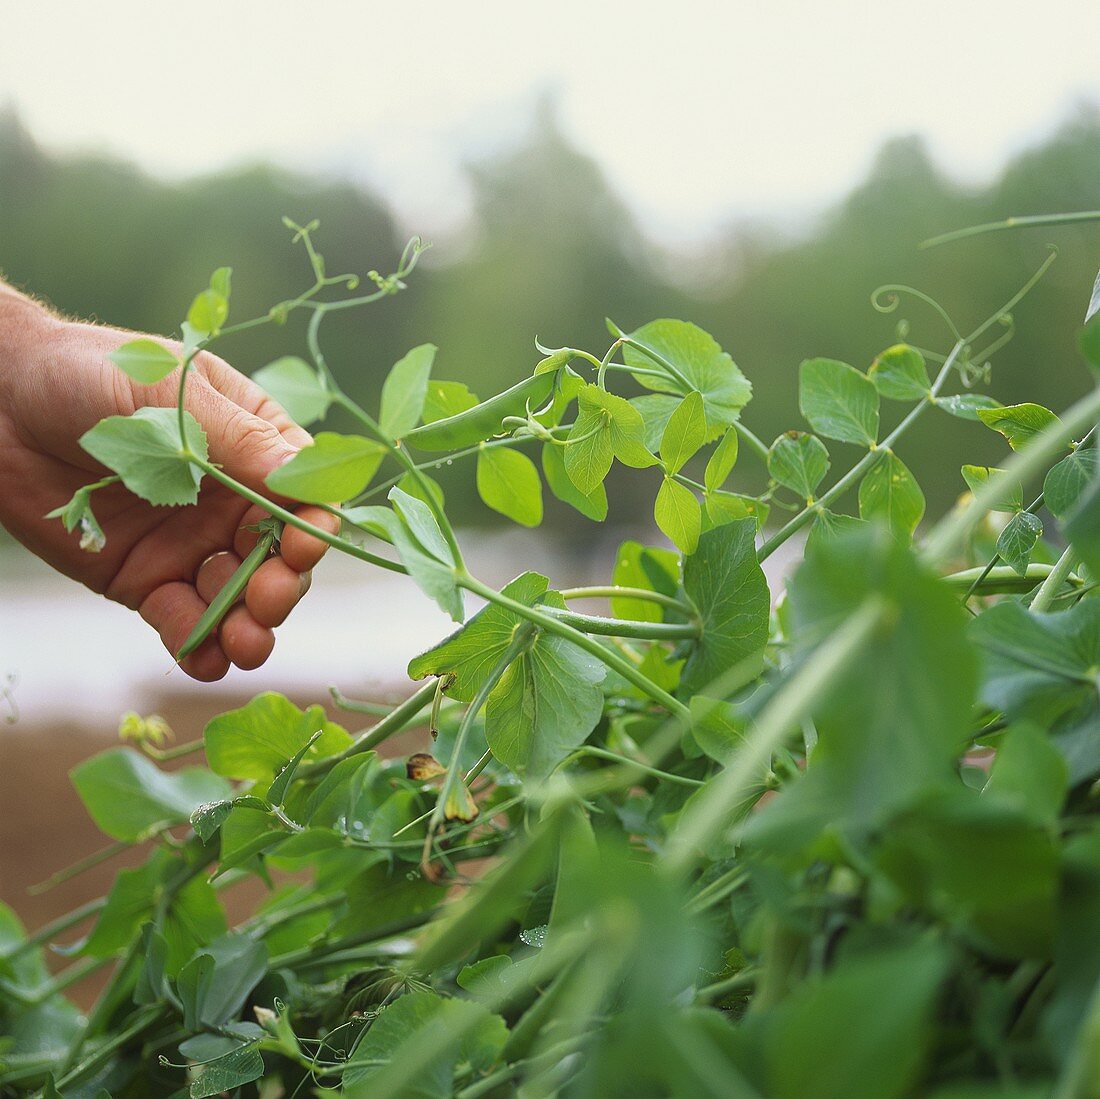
709	811
55	927
618	627
404	458
319	954
756	444
1001	580
142	1020
660	360
1057	576
1029	222
953	529
520	642
393	723
864	464
1016	298
78	867
645	768
293	520
617	592
561	629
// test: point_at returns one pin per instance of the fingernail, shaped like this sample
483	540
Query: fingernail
304	582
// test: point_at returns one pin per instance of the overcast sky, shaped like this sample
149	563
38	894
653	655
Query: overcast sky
698	110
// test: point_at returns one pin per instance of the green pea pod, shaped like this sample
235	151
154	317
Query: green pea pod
229	595
483	420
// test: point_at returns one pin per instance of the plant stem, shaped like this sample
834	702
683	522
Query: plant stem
616	592
55	927
618	627
864	464
1029	222
709	811
393	723
645	768
756	444
404	458
953	529
1057	576
78	867
293	520
1000	580
555	626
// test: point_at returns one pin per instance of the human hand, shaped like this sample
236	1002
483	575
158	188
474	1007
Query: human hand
56	382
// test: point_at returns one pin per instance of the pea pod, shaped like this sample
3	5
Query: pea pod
483	420
229	595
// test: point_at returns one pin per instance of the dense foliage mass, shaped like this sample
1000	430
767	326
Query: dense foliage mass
716	844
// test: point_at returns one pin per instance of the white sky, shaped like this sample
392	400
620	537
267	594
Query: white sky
697	109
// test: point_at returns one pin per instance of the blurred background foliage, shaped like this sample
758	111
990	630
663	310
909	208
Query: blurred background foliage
551	251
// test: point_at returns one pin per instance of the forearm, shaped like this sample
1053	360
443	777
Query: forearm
23	324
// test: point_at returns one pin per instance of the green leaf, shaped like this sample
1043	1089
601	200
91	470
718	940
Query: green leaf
980	864
240	963
145	360
548	701
889	493
966	406
717	726
421	522
421	547
255	741
221	281
1016	542
144	450
699	360
295	385
727	507
1041	668
1029	774
208	312
405	391
724	581
508	482
228	1073
872	754
192	985
1088	339
684	434
593	505
588	453
678	515
455	1031
1094	301
335	468
445	399
209	817
899	373
77	514
649	568
127	795
1018	423
721	462
798	461
1010	499
838	401
1066	482
829	526
616	430
655	410
861	1031
284	776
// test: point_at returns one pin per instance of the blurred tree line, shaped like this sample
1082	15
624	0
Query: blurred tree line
551	251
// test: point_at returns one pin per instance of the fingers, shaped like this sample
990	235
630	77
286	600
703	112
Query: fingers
172	610
274	591
301	551
244	640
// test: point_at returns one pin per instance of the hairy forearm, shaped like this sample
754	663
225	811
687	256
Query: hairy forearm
23	323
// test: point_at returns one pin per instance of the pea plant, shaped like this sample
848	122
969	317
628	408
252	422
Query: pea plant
840	841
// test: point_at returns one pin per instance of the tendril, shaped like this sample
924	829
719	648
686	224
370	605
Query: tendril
887	299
